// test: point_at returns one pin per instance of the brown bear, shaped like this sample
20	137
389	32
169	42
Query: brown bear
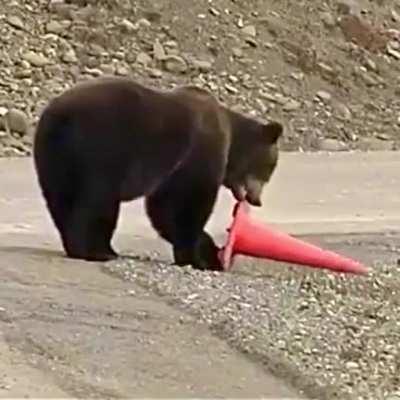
111	140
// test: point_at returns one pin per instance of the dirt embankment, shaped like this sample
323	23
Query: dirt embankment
328	69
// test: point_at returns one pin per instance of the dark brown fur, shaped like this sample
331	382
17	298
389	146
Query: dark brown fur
113	140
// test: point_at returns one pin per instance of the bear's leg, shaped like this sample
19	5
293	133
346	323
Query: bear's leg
60	207
92	223
179	210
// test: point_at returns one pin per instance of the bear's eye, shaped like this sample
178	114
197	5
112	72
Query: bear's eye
262	165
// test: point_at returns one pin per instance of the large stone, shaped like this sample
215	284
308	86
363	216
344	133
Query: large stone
17	121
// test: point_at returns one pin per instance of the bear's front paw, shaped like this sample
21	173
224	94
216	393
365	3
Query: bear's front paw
183	257
206	254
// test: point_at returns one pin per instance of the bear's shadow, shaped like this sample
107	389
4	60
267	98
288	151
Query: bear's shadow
59	254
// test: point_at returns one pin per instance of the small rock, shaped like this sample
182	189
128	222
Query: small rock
17	121
3	111
328	19
349	7
172	44
143	22
155	73
352	365
214	11
237	52
94	71
22	74
202	65
158	51
249	30
36	59
370	64
395	16
329	144
394	44
233	78
324	96
15	22
175	64
382	136
298	76
129	26
70	57
54	27
231	89
121	70
394	53
143	59
343	112
368	79
374	144
291	105
262	106
60	8
108	69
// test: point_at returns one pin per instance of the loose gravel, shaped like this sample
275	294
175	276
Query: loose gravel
334	336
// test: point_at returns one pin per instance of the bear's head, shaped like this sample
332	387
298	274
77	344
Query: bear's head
253	157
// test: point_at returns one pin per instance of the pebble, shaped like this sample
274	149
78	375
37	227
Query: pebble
175	64
329	144
374	144
328	19
249	30
237	52
36	59
395	16
231	89
155	73
324	96
15	22
129	26
370	64
121	70
394	53
343	112
143	59
70	57
158	51
291	105
352	365
349	7
202	65
55	27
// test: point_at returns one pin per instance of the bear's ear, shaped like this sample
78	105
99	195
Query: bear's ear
272	131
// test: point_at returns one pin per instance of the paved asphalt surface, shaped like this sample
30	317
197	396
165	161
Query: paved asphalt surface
70	329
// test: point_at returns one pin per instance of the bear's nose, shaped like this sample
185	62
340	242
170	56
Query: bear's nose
254	201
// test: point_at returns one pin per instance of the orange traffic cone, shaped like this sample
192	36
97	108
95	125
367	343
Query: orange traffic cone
247	237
